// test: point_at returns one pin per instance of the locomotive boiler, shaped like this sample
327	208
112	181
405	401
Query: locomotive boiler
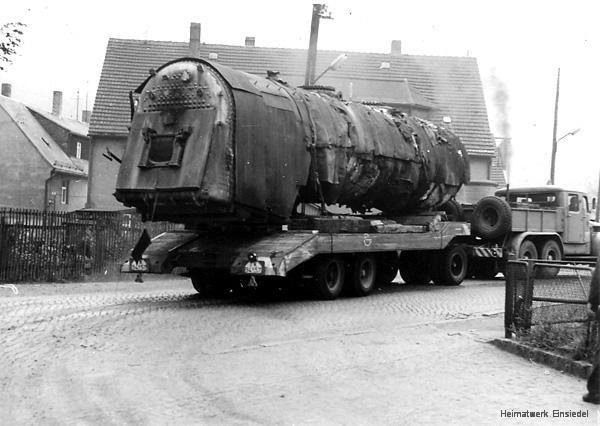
210	144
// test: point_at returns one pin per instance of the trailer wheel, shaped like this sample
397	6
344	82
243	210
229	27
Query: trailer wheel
491	217
329	277
415	267
212	283
550	251
527	250
363	274
387	269
451	266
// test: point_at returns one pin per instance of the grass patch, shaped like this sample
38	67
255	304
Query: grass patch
577	341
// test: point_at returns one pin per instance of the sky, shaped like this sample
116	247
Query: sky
519	45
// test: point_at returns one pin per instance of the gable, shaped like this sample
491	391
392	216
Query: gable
34	134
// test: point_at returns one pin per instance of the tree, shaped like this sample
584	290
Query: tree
10	40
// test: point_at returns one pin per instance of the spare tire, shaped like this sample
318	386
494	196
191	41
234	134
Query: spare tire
491	218
453	210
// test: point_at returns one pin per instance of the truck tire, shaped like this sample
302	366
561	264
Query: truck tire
387	269
415	267
451	266
453	210
527	250
491	218
329	277
550	251
363	273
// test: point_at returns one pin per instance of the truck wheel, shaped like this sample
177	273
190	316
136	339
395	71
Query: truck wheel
387	269
527	250
414	267
329	277
491	218
362	276
451	268
483	268
550	251
453	210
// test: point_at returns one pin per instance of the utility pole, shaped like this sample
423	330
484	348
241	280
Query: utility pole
554	142
77	110
319	11
598	201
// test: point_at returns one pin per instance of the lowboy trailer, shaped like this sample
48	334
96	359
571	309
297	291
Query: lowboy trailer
329	254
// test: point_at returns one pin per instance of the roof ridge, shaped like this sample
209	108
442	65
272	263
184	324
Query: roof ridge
54	152
297	49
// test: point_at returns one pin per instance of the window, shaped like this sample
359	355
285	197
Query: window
586	204
573	203
78	154
64	192
480	168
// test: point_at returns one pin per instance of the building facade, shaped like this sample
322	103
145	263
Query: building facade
45	159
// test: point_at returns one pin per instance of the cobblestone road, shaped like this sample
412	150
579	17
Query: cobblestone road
154	353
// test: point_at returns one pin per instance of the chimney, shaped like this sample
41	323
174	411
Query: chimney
194	39
396	49
85	115
57	103
250	41
6	90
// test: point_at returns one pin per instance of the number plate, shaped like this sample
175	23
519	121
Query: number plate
254	268
139	266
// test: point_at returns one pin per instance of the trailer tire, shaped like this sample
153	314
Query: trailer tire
451	266
550	251
212	283
453	210
491	218
415	267
329	277
363	273
387	269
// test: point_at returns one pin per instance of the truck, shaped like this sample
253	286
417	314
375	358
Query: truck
545	222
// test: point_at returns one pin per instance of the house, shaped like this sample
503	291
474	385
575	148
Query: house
445	90
45	157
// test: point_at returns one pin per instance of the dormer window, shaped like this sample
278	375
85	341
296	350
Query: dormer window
385	66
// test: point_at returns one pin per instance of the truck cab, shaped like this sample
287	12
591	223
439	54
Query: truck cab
552	212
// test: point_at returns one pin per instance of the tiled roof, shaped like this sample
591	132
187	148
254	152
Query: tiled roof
73	126
450	84
41	139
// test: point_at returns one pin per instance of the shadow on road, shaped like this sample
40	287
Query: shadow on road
264	297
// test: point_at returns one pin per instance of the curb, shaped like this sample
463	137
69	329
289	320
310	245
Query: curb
558	362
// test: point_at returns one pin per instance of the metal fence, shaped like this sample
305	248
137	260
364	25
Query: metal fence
37	246
548	301
540	292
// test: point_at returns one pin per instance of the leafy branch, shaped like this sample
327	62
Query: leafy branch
10	40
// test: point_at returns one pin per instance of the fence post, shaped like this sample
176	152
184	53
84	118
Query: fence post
528	302
3	249
509	299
